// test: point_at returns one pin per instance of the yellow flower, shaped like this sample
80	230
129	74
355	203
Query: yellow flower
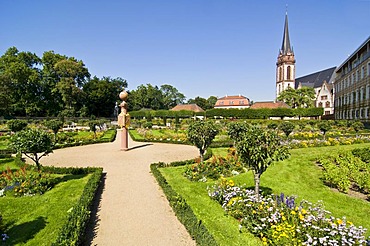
303	211
254	211
301	217
283	218
293	212
339	221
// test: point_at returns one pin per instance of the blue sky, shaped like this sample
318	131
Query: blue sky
201	47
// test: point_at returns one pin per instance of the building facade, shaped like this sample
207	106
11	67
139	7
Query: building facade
352	85
322	83
232	102
285	65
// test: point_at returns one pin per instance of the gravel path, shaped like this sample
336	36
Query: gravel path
133	209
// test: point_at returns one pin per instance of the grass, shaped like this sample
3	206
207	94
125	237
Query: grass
296	176
36	220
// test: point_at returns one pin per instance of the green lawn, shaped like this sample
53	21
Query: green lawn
296	176
36	220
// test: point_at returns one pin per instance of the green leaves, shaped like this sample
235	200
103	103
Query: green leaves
201	134
257	148
34	143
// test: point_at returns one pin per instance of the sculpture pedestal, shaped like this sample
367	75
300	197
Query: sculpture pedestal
124	138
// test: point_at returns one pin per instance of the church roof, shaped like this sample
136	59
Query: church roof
271	104
189	107
316	80
285	47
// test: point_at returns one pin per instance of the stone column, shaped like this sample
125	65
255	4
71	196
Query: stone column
124	120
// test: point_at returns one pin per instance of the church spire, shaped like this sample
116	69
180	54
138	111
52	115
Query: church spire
285	47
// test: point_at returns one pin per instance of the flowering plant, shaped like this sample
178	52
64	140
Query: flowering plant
278	220
25	181
215	168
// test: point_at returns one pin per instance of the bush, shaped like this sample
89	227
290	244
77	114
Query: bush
363	154
215	167
16	125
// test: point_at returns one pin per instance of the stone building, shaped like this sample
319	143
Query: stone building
352	85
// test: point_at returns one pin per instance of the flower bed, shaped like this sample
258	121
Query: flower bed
215	167
278	220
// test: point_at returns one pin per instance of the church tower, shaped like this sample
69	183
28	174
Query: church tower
285	65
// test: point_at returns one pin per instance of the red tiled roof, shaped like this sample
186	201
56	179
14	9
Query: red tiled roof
189	107
269	105
232	97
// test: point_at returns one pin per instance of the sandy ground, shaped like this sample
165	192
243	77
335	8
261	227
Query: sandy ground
132	209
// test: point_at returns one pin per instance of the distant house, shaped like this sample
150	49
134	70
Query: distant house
188	107
232	102
270	104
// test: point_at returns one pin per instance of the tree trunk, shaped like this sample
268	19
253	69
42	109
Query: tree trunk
201	154
257	184
37	162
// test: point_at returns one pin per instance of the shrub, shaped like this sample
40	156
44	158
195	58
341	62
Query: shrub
215	167
16	125
362	153
287	127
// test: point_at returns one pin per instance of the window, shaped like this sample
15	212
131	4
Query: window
288	73
362	72
324	97
231	102
327	112
241	102
368	69
280	74
320	104
327	104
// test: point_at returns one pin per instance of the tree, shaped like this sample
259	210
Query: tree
171	96
299	98
200	101
72	75
20	77
258	148
201	134
16	125
287	127
33	143
54	125
235	130
324	126
102	94
145	96
211	102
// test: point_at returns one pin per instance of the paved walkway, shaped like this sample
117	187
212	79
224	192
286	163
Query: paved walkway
133	209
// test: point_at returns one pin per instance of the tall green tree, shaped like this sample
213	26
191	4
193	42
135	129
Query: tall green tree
201	134
200	101
20	79
258	148
145	97
72	75
299	98
171	96
102	94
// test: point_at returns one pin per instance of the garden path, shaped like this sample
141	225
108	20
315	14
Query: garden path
132	209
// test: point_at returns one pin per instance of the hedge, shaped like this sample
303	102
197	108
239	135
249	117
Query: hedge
247	113
73	231
183	211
